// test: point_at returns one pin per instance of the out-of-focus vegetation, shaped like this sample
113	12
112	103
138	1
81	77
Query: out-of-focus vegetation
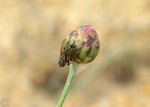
31	32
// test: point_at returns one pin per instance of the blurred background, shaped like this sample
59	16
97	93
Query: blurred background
31	33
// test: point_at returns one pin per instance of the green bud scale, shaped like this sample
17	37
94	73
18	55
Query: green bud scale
81	46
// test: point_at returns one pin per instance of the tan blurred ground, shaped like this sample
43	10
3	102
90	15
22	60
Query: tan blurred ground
31	32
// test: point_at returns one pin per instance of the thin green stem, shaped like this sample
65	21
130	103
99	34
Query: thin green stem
71	75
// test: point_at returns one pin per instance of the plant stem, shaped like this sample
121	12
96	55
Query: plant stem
71	75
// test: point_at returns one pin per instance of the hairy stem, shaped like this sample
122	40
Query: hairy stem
70	78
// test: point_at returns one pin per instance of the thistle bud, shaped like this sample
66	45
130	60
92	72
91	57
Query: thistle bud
81	46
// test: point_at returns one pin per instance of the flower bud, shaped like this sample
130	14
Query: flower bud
81	46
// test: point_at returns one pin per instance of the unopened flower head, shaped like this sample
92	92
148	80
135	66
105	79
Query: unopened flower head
81	46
